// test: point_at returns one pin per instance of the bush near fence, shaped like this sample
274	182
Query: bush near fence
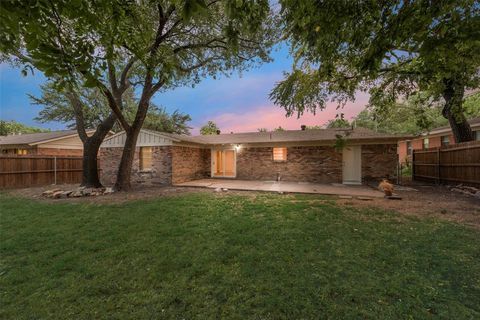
456	163
31	170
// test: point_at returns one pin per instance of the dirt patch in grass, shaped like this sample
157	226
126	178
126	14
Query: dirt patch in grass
428	201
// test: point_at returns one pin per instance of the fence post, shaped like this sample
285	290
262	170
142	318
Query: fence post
438	165
55	170
413	165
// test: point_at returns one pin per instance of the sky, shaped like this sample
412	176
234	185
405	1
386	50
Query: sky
238	103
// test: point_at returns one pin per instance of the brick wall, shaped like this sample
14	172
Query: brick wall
379	161
402	151
160	173
320	164
317	164
310	164
190	164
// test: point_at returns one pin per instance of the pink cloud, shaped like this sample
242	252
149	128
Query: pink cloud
271	116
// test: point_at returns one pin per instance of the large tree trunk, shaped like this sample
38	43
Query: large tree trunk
90	178
123	182
91	145
125	169
453	111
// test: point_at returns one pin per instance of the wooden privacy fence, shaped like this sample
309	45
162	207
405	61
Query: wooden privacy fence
30	170
457	163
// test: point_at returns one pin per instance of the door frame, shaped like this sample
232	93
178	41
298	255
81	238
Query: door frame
356	164
213	158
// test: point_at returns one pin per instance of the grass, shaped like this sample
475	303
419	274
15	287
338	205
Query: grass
204	256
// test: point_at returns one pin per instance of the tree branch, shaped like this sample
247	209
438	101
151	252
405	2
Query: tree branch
112	103
123	77
78	112
157	87
199	45
198	65
112	77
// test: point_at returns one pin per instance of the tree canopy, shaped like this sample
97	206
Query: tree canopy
391	49
412	116
209	128
13	127
56	106
339	122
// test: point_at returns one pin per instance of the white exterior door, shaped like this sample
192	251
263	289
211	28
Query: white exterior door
352	165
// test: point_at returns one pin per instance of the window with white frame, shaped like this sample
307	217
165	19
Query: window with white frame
409	148
445	140
426	143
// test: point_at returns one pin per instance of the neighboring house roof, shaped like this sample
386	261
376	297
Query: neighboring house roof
474	123
148	137
32	139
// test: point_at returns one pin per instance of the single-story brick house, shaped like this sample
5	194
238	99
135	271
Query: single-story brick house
438	137
294	155
53	143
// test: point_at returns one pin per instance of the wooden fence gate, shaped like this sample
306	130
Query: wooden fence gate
457	163
30	170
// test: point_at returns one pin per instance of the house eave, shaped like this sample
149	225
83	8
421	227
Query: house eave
36	143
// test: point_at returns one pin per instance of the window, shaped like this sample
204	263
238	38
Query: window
445	140
279	154
21	151
409	148
145	158
477	135
426	143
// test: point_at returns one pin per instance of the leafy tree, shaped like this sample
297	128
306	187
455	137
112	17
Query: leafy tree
13	127
159	119
471	105
413	116
57	107
338	123
262	130
316	127
279	129
403	119
210	128
390	48
153	45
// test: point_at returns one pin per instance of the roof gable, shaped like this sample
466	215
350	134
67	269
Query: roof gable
145	138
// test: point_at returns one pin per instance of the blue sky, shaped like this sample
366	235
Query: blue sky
236	103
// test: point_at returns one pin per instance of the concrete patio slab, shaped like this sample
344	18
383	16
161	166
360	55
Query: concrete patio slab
284	186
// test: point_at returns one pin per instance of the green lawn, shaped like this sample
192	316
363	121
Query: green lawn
204	256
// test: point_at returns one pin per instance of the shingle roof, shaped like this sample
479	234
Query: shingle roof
31	138
287	136
473	122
